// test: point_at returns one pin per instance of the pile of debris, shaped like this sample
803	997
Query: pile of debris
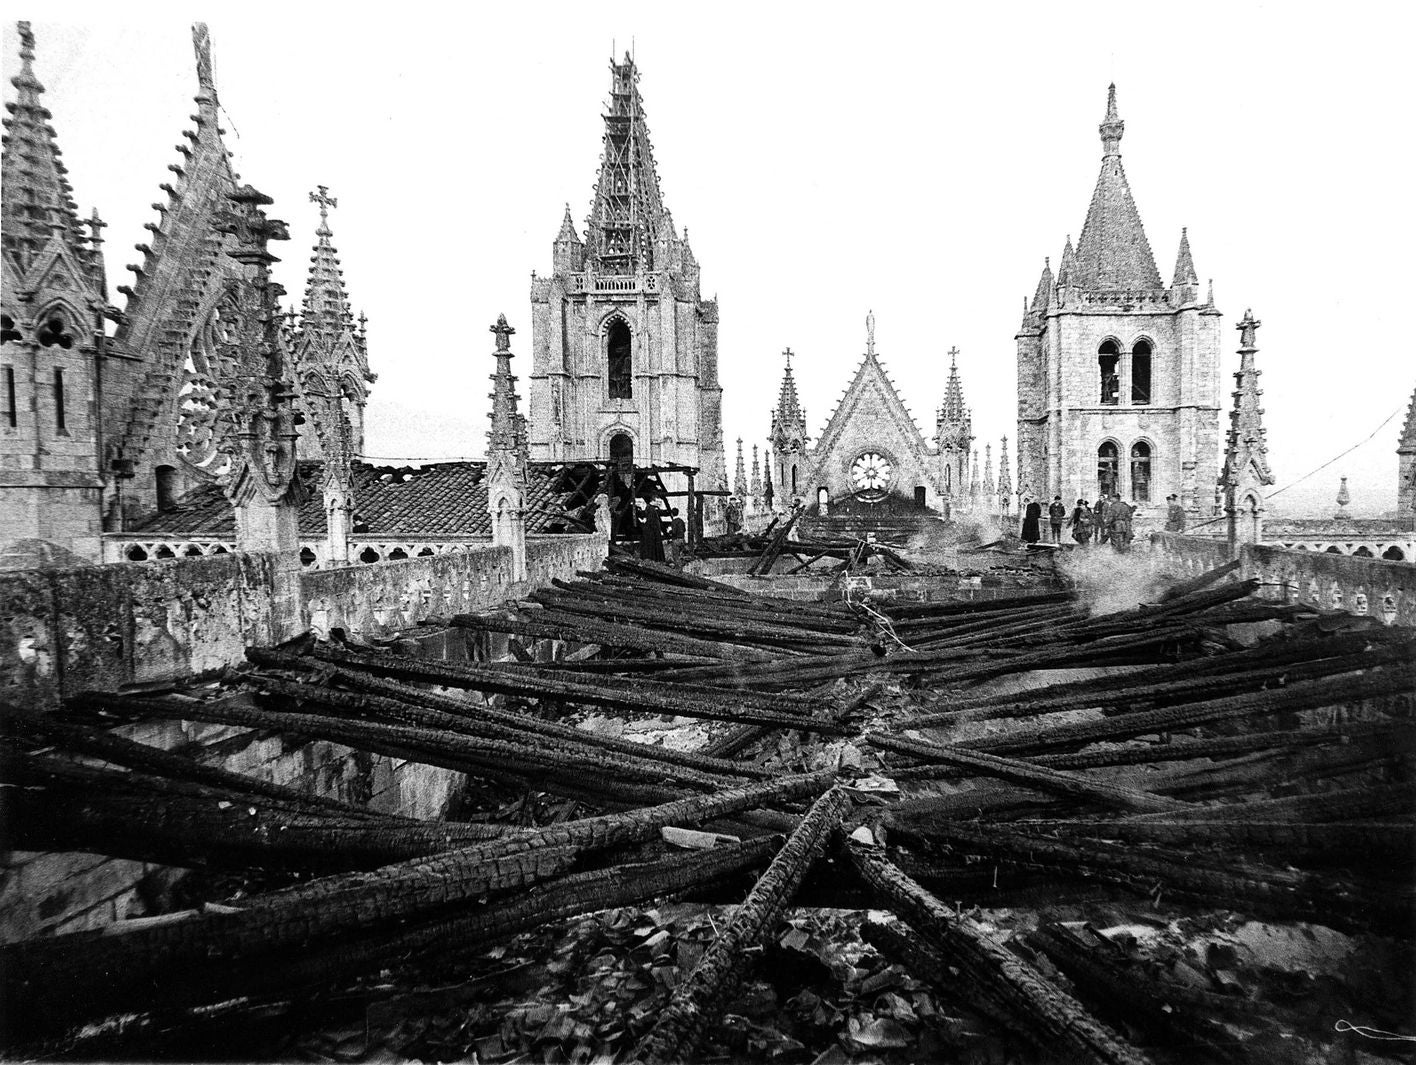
947	827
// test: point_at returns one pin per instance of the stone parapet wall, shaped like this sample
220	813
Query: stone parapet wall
386	597
1362	586
64	631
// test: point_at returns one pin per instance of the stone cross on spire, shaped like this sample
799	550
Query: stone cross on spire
326	201
870	332
787	354
953	356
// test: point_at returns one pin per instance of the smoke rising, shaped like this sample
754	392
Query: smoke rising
1108	581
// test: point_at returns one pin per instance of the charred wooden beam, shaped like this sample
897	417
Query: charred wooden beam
1343	842
1123	993
697	1001
649	698
1016	771
366	948
54	981
470	722
1051	1019
118	750
1269	890
1307	695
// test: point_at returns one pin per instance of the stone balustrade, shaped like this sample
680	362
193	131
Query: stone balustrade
1362	586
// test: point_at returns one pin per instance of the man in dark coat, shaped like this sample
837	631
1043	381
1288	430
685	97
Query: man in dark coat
1056	515
651	533
1032	519
1082	523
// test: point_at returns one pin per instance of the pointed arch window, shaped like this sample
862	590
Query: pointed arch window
618	347
8	332
1141	373
1108	364
12	407
1141	472
1108	466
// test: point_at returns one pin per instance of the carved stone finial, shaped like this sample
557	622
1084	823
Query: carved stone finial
201	44
787	354
1112	127
1247	327
870	333
504	333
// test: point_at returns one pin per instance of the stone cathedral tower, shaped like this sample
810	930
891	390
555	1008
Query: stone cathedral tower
53	309
624	350
1118	375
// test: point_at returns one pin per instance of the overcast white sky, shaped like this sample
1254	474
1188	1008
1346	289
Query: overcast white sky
919	160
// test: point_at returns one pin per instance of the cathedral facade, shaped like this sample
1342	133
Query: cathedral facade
1118	374
872	450
624	349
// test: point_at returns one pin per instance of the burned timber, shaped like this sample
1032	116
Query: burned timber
957	826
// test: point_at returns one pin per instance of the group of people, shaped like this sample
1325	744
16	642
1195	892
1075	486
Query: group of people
1110	520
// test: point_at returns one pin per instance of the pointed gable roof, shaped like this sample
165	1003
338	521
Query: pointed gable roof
871	385
36	199
186	258
1112	251
628	218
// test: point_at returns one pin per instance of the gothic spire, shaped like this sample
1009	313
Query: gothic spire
740	474
788	419
36	200
870	334
1069	263
1042	295
1112	251
1246	451
504	435
1184	263
567	231
953	426
987	470
1005	478
628	213
953	407
326	309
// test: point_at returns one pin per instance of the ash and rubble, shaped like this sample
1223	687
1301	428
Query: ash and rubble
1017	820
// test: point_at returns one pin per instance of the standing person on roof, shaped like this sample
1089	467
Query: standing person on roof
1056	515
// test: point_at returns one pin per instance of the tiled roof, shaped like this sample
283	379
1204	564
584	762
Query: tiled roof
442	499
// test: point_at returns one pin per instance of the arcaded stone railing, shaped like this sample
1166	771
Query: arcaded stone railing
379	599
1363	586
63	631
